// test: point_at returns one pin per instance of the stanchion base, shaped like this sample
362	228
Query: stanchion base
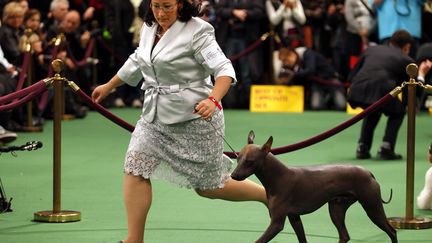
68	117
32	129
413	223
60	217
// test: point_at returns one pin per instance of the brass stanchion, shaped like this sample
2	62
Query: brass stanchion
30	127
57	41
57	215
409	221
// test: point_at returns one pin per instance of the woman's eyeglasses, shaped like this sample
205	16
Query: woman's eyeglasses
166	8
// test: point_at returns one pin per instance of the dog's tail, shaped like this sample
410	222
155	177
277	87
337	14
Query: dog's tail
391	195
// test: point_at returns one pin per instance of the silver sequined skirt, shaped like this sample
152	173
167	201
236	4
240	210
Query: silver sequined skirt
189	154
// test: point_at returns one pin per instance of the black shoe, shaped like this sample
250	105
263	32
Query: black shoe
362	152
388	154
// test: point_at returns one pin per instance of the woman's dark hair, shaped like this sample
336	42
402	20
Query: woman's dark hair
188	11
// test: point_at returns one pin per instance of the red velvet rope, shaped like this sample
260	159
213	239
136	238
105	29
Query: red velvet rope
23	92
305	143
23	73
87	54
21	101
233	58
110	50
328	133
105	112
246	51
275	151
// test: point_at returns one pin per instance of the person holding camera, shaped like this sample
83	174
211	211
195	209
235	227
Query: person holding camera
287	17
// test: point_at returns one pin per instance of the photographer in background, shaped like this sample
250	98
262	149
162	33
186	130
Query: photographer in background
379	70
307	67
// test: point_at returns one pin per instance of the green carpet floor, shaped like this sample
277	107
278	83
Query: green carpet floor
92	159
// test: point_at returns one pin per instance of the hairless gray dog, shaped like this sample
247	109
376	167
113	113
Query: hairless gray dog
294	191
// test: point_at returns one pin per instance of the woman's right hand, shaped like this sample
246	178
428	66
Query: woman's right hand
100	93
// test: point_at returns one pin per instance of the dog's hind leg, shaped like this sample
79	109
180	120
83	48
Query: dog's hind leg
371	203
378	217
337	209
297	225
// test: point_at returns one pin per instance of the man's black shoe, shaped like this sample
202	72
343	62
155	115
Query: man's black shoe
363	155
388	154
362	152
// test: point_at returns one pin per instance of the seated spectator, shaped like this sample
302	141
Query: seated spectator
309	68
77	41
10	32
57	11
31	24
7	85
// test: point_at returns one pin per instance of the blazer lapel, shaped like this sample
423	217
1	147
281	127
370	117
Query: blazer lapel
169	36
148	45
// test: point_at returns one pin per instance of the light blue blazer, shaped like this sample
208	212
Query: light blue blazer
177	71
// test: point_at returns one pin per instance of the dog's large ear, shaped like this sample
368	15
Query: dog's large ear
251	137
267	146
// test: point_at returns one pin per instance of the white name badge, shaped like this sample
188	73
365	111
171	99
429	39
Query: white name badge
213	55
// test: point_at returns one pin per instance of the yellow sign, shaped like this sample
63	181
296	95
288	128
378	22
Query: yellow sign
277	98
353	111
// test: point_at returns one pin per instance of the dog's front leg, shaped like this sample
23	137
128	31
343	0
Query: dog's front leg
276	225
297	225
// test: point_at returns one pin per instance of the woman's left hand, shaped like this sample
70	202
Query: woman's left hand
205	109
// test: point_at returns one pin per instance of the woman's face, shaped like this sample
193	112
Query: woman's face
287	57
15	20
33	22
165	12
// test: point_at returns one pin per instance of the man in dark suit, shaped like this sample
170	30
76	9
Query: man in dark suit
379	70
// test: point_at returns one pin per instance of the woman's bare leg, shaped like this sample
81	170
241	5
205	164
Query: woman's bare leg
233	190
137	199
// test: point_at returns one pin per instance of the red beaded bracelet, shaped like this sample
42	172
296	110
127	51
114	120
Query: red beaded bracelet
215	102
